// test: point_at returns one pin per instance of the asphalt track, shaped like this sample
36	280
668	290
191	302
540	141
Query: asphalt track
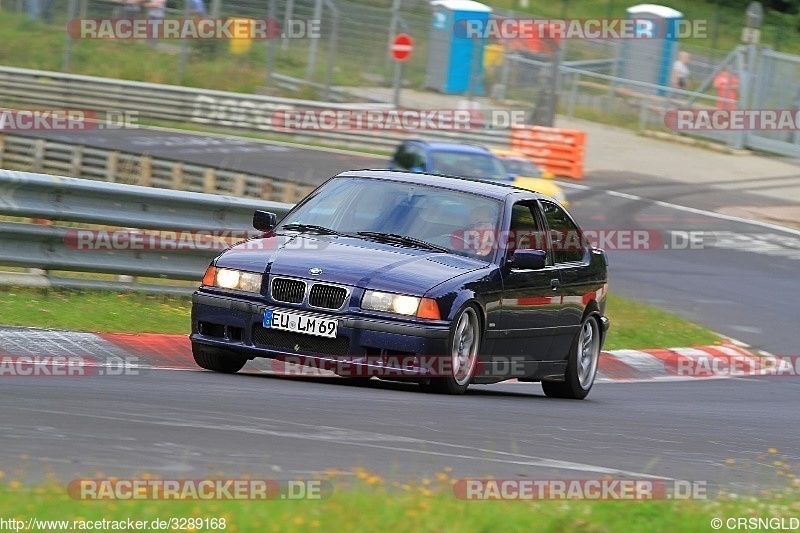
309	166
196	423
192	423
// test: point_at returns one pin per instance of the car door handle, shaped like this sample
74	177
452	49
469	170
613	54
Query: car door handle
555	284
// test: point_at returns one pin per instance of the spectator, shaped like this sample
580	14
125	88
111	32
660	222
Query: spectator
197	8
727	84
680	71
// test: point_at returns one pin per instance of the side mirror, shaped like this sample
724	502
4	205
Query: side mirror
264	221
529	259
417	169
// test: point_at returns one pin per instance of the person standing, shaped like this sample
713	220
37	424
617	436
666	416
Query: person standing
727	85
680	71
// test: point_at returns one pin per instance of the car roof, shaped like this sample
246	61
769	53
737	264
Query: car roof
445	146
487	187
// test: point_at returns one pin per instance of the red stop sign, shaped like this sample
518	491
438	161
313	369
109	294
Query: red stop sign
402	47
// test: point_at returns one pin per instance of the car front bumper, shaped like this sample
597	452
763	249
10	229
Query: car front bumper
236	325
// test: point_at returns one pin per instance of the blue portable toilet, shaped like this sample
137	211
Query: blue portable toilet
455	54
650	59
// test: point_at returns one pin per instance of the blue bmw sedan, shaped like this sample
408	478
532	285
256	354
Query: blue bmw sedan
440	280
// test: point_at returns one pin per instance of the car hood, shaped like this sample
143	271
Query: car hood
349	261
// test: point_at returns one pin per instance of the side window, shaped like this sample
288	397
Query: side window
416	157
525	232
567	239
409	156
401	157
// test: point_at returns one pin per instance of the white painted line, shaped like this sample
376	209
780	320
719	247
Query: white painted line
624	195
570	185
334	436
686	209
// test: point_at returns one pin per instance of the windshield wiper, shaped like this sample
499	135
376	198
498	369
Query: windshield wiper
298	226
403	239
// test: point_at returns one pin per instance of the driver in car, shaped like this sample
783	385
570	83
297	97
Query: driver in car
479	237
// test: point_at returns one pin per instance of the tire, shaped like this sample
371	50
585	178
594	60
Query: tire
217	360
464	342
581	364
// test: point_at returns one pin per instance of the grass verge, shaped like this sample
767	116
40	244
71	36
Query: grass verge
634	325
369	503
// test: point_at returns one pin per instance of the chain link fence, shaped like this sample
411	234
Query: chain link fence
589	78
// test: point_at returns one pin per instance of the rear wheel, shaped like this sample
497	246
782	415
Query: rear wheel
581	364
217	360
464	342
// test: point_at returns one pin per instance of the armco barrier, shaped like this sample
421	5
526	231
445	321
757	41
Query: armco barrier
114	205
26	88
557	150
59	158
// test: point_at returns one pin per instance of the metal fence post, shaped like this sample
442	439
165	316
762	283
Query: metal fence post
184	47
270	47
65	58
331	48
312	52
573	94
287	17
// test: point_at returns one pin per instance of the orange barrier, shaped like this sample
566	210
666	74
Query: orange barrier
559	151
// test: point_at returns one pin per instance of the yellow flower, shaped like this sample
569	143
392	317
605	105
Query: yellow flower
729	461
772	451
15	484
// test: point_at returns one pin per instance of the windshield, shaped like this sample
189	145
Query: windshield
434	215
521	167
468	165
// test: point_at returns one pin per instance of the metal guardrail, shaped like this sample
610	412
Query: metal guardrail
55	90
61	199
51	157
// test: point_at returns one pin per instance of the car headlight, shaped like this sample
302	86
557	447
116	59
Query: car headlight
400	304
228	278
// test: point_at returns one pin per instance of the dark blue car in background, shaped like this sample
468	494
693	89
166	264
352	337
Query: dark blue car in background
444	281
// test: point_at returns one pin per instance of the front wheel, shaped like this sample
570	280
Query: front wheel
217	360
581	364
464	342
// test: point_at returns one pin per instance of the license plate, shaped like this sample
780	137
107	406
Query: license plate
310	325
